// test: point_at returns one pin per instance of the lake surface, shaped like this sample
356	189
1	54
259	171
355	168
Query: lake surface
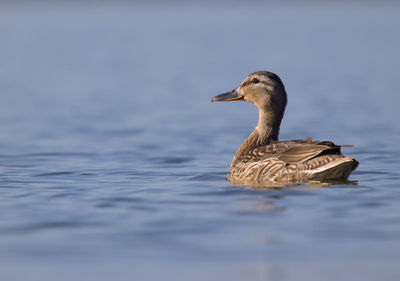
113	160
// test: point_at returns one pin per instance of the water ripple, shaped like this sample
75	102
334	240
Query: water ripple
50	174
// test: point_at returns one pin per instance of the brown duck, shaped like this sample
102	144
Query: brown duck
262	158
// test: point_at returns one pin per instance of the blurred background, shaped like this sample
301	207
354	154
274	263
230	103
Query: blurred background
113	160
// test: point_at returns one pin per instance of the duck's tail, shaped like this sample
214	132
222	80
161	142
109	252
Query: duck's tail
339	169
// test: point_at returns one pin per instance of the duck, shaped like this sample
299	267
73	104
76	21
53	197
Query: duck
263	158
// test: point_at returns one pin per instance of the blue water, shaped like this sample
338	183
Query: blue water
113	160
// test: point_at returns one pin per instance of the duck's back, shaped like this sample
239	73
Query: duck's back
294	161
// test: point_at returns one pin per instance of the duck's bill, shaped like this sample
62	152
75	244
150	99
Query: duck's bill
231	95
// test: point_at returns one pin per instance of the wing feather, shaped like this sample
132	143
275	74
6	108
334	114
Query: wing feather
302	153
290	152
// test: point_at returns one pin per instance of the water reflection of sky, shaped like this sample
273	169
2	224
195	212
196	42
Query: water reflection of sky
113	159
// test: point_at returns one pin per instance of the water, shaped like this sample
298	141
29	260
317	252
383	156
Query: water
113	160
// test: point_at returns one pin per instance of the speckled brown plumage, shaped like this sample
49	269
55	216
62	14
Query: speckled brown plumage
297	160
262	158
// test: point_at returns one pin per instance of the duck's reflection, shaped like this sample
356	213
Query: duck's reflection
267	202
295	185
258	206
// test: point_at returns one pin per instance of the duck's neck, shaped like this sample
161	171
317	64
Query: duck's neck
267	130
268	126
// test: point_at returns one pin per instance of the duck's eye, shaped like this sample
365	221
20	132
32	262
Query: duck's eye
255	80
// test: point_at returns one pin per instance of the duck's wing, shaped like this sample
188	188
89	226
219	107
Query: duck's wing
302	153
291	152
298	160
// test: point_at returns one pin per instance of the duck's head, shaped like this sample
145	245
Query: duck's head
263	88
